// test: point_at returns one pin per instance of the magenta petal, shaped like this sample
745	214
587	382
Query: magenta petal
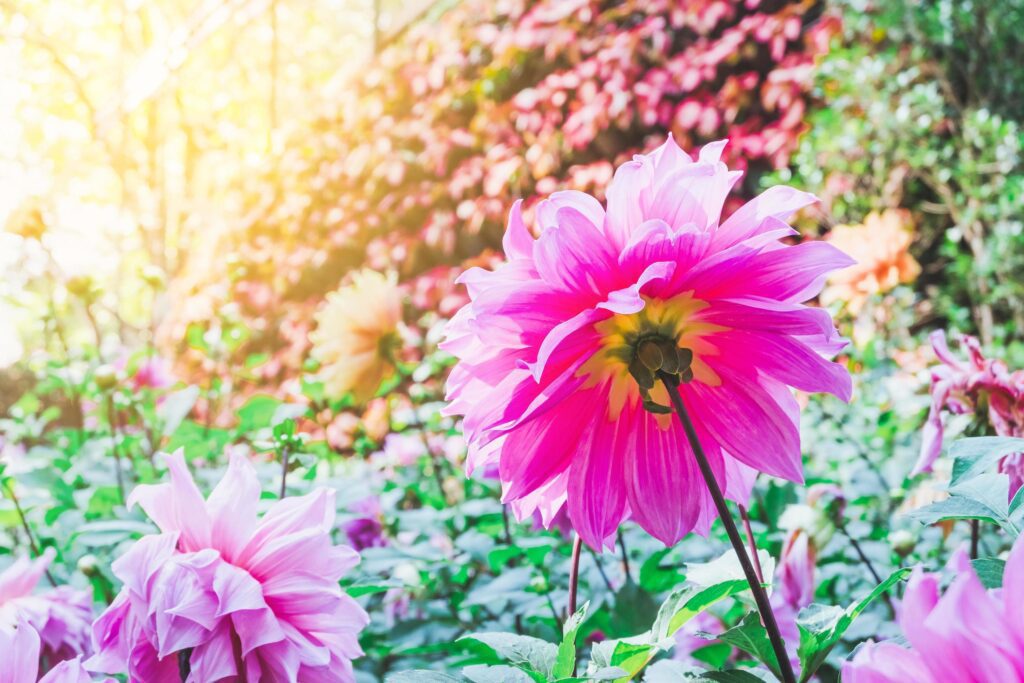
572	257
760	213
597	495
789	361
538	451
661	467
753	420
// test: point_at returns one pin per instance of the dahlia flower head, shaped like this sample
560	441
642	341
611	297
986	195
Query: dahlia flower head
20	651
965	387
965	634
248	598
61	617
356	335
546	344
880	246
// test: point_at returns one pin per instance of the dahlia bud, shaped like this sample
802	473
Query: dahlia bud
89	565
106	377
902	542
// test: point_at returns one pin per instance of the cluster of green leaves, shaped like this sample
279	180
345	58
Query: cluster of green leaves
921	110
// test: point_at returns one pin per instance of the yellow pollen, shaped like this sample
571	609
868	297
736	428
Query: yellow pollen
674	319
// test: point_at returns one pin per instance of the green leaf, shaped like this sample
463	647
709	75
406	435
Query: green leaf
536	654
734	676
656	578
989	571
687	602
981	497
565	662
751	637
632	657
822	626
257	413
980	455
420	676
481	673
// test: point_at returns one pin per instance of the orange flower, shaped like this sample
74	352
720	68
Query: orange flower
880	246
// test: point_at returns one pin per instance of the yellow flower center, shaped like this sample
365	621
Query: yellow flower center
661	319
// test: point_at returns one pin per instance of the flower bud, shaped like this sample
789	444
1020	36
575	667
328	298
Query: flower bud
89	565
902	542
106	377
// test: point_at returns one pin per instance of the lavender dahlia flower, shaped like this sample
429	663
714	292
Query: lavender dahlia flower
60	616
966	634
548	345
245	598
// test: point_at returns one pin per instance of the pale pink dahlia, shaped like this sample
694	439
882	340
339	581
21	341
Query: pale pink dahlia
244	597
546	343
966	634
60	616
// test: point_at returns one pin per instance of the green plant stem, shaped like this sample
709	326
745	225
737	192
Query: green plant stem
285	454
866	561
760	596
625	556
574	574
753	544
114	435
600	568
33	546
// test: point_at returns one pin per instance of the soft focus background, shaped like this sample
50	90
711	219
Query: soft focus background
183	182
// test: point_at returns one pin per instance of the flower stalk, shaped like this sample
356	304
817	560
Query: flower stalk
764	606
753	543
574	574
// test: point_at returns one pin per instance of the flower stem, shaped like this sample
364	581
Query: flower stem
866	561
33	546
760	597
753	544
574	574
625	557
285	453
114	437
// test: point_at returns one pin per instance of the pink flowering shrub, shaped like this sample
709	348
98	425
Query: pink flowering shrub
245	597
490	102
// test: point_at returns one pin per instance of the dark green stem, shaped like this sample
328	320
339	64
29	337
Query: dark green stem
760	596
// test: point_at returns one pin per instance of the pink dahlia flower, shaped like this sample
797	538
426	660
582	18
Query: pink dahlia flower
967	634
961	387
547	339
245	598
60	616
